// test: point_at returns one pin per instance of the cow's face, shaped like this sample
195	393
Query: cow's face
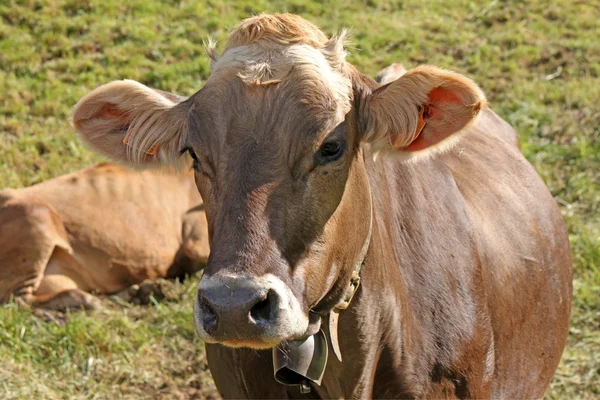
276	136
275	175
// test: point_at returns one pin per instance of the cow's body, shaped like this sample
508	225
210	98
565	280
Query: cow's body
466	283
100	229
454	295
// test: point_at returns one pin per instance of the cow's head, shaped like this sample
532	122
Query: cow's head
278	136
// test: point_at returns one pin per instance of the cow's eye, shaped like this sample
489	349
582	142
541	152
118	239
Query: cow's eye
194	157
331	151
190	151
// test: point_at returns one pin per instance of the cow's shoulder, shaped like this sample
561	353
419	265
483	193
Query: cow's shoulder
6	195
493	124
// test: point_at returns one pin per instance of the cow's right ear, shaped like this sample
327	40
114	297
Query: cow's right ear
421	113
132	123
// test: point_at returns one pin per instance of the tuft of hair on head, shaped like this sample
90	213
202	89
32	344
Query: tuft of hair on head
335	50
211	49
263	49
283	29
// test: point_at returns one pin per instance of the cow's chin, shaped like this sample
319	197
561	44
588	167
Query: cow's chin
249	344
259	343
264	345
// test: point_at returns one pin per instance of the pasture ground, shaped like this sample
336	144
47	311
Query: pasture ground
538	61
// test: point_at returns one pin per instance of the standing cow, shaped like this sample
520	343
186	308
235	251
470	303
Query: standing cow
398	220
101	229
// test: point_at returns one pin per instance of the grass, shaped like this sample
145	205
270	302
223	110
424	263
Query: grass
538	62
119	351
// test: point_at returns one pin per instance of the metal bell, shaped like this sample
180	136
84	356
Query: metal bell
297	361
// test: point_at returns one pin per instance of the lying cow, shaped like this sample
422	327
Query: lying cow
439	268
101	229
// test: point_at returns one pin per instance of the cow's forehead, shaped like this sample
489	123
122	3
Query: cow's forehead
274	90
294	114
268	63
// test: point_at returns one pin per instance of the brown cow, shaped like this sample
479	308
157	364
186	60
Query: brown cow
445	257
101	229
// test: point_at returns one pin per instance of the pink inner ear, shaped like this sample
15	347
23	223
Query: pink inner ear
110	111
446	114
418	144
443	96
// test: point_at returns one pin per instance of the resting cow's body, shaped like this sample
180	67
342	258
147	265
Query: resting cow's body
101	229
303	163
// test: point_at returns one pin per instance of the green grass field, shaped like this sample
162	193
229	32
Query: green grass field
538	62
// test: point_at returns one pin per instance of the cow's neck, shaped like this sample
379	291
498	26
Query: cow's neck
369	327
398	325
372	330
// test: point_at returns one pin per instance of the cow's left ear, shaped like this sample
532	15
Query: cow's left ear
421	112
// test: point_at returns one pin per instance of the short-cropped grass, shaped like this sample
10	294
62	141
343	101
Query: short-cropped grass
538	61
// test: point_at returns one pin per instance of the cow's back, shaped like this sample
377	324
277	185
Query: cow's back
525	256
120	220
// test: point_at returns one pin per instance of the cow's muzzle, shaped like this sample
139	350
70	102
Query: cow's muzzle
245	311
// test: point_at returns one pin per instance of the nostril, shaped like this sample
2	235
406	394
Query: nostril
263	310
209	316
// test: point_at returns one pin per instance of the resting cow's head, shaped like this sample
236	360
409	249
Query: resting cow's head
278	136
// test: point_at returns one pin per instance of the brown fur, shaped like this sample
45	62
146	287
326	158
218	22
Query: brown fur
284	29
100	229
466	285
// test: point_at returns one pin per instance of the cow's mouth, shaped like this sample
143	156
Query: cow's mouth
313	328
